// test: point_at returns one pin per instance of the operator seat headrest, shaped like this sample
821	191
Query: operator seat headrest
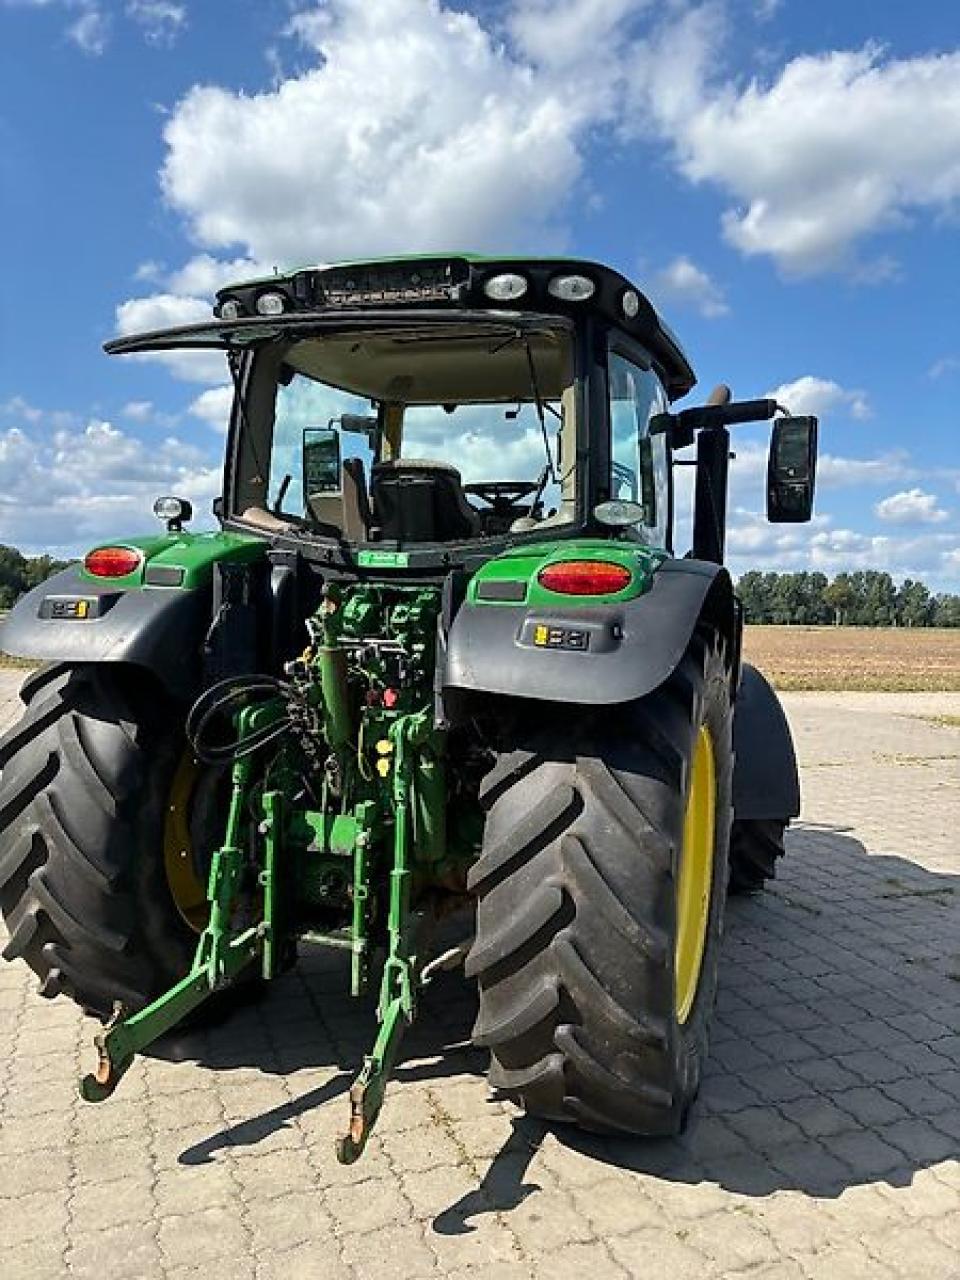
420	500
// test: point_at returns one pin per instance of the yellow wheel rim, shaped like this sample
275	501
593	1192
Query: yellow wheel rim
696	874
188	891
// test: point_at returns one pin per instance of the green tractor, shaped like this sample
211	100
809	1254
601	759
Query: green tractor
378	694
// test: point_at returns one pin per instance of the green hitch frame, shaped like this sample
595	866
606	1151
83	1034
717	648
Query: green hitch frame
219	957
412	792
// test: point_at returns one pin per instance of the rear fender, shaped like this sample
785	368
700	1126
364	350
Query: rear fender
766	783
158	616
627	649
70	619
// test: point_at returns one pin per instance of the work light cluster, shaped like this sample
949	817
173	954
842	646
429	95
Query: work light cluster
505	287
511	286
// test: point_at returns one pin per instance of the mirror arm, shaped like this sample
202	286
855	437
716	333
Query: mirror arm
681	427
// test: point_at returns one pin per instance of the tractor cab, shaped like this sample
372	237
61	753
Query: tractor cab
436	404
438	407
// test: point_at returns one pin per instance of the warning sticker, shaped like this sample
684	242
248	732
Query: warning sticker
545	637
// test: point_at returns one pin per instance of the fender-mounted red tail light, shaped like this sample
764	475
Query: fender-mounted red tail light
585	577
113	562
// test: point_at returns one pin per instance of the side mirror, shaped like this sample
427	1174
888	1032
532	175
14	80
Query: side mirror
792	470
321	461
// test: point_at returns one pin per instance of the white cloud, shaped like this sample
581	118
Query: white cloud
144	412
137	410
84	483
416	127
89	29
833	471
391	143
187	298
416	130
480	455
841	145
848	473
90	32
559	33
204	274
753	543
17	407
162	21
164	311
879	270
150	272
911	506
747	485
213	407
820	396
688	285
439	130
90	26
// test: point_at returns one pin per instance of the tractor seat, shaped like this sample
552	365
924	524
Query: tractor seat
419	500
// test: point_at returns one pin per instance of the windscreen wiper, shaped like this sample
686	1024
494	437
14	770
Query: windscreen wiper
541	416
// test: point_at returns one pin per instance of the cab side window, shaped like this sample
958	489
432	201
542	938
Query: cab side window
639	464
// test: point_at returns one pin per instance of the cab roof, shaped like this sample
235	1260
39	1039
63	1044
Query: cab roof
460	280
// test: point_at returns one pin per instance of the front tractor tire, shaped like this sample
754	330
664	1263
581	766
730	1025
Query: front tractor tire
601	886
85	784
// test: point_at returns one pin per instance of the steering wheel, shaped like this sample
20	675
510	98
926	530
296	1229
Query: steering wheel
501	494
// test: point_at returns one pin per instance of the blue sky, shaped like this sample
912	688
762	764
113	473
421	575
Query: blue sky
783	178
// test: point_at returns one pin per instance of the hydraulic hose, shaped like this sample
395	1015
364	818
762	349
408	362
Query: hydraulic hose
225	698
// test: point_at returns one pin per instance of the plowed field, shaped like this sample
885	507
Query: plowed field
856	657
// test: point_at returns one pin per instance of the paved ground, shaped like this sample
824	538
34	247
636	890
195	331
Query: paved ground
826	1141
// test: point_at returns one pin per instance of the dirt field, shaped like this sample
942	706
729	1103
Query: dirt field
833	658
854	658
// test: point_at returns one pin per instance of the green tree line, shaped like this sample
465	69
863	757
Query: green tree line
18	573
863	599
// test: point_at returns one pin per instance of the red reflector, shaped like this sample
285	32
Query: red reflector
112	562
584	577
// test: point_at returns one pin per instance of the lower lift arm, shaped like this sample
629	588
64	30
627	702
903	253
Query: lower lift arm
219	957
398	992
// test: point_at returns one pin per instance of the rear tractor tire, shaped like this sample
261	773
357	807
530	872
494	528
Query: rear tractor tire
88	805
601	884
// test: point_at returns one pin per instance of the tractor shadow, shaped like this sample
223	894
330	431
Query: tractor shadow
835	1046
834	1054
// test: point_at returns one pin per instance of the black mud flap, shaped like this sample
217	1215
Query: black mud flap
766	783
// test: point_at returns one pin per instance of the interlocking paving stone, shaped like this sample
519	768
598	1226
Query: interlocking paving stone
826	1141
